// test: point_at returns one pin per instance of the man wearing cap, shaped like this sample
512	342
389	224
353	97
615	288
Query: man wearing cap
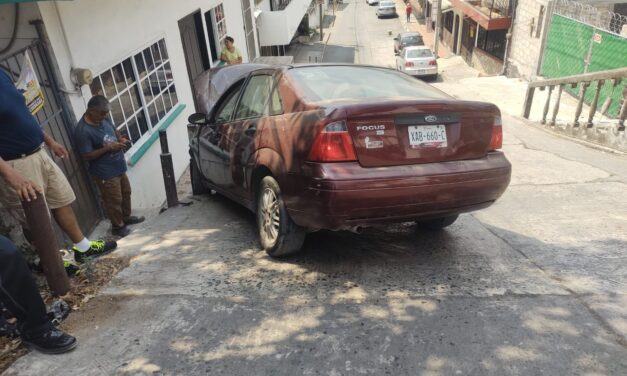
102	146
26	170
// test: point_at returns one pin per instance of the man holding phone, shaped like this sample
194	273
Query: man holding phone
102	146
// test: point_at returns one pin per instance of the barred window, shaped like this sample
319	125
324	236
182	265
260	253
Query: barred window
141	91
448	20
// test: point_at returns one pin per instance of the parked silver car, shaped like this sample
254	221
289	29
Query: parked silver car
386	9
417	61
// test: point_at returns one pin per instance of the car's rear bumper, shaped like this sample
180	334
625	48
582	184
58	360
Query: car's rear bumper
343	195
430	71
389	13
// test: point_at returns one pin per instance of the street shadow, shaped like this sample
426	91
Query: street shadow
201	298
328	20
339	54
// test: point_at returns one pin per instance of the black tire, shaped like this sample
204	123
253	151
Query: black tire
198	184
437	223
284	238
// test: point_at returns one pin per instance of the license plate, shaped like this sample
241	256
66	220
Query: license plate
433	136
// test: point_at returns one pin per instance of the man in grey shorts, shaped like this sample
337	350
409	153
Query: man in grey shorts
27	170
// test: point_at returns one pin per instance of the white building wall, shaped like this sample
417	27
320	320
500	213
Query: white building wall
279	27
526	45
97	35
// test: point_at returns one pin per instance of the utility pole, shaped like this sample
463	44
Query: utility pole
438	26
321	17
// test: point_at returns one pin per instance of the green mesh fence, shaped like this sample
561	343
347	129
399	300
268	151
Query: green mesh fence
567	48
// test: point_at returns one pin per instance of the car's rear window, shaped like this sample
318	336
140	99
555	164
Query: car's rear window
412	39
413	54
326	83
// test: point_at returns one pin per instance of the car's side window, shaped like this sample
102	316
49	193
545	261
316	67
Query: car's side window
225	112
276	104
255	97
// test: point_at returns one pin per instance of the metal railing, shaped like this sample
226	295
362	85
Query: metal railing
494	8
615	76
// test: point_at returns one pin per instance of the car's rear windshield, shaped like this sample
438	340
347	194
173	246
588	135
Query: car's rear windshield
331	83
412	39
412	54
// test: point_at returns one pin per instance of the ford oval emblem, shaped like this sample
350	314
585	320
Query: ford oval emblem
431	118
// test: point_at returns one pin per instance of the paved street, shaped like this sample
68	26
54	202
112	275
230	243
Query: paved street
534	285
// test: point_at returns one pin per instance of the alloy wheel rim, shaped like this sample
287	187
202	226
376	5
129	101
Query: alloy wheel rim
270	218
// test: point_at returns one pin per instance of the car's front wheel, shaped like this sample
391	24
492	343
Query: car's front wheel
198	185
437	223
278	234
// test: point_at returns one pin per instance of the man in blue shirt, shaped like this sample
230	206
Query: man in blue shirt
102	146
27	170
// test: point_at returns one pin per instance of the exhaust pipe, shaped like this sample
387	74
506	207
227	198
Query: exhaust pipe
356	229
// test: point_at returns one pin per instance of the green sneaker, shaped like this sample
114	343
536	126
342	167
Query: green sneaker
71	268
97	248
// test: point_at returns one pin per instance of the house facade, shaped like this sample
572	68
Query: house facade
142	55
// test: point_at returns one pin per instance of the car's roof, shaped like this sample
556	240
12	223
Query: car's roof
410	33
409	48
211	84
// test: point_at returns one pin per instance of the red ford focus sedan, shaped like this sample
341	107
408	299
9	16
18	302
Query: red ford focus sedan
340	147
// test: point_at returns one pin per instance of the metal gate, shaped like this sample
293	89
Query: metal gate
584	39
469	35
55	121
193	40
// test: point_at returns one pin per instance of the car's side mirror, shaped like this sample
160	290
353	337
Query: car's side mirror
197	119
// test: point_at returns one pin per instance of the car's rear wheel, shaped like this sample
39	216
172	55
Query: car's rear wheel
278	234
198	184
437	223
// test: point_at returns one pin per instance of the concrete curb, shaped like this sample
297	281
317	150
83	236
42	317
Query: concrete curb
564	136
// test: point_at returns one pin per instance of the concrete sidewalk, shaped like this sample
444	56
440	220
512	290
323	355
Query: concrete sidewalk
416	24
508	94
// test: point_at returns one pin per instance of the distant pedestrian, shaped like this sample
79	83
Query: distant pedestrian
102	146
230	54
408	10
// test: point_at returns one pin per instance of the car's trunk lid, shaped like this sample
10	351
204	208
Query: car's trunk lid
412	132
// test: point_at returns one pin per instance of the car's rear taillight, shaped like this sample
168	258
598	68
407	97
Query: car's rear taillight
409	64
333	144
496	141
433	62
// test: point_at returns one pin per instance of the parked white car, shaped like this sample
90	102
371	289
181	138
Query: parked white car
372	2
417	61
386	9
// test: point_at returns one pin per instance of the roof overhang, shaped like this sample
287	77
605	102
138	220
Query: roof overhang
484	21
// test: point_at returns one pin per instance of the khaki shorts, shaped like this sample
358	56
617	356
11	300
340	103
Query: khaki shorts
41	170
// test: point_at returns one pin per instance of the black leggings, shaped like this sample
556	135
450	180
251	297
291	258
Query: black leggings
18	291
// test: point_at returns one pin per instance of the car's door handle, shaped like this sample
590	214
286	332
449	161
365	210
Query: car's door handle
251	130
